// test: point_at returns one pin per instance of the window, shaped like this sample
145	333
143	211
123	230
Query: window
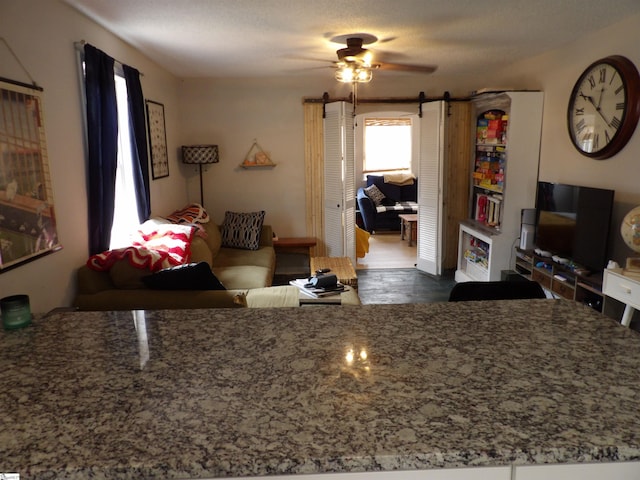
116	147
387	144
125	215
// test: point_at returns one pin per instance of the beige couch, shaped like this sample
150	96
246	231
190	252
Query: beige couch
246	275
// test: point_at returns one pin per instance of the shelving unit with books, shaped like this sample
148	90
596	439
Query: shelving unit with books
507	131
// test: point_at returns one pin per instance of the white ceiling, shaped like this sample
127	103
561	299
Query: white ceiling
231	38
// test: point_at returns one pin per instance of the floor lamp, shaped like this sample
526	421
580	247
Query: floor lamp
200	155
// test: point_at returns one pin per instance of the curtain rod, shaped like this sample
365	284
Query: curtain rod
80	48
421	98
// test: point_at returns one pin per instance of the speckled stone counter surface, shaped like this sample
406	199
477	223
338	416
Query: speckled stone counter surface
219	393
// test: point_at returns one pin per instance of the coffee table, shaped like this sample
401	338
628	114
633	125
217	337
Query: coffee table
339	266
343	269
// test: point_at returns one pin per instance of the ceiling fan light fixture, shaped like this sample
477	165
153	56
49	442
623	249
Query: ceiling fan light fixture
367	58
354	74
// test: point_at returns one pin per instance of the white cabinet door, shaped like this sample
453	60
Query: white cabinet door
587	471
478	473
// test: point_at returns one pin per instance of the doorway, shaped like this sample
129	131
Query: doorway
386	248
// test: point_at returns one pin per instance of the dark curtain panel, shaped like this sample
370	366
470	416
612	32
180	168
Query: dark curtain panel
138	141
102	135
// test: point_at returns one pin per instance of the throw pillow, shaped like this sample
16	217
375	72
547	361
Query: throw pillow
242	230
374	193
190	276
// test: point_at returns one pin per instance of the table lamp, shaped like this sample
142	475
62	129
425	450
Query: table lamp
200	155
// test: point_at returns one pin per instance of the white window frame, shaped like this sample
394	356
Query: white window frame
387	138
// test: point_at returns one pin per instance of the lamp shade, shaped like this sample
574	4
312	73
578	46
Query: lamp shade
200	154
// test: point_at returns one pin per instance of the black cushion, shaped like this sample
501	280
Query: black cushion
190	276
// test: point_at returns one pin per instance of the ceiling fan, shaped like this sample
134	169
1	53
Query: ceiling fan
355	62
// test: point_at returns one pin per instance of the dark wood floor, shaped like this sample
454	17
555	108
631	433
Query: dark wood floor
403	285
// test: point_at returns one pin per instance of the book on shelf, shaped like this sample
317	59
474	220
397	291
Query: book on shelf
317	292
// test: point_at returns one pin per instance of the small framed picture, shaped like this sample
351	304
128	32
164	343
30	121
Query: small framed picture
157	140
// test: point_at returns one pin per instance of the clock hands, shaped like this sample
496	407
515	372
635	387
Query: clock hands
597	107
600	99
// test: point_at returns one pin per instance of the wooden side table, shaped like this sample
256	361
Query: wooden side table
409	221
293	244
292	254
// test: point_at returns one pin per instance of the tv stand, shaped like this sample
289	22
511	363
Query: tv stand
560	280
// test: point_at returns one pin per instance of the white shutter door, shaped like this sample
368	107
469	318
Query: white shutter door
333	185
430	187
349	187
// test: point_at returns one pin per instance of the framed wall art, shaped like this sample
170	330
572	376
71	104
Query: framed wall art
27	219
157	140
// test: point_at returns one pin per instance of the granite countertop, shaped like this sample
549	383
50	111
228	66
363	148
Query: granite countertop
219	393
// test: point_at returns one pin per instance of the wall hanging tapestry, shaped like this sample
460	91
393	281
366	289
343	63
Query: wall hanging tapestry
27	218
157	140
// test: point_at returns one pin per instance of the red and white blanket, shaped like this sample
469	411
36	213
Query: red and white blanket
156	246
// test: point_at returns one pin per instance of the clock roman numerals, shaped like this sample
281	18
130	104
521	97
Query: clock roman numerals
615	123
603	75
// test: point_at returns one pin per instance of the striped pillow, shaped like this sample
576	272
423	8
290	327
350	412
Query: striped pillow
242	230
374	193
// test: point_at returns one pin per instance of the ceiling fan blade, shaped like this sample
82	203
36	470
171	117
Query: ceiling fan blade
400	67
310	59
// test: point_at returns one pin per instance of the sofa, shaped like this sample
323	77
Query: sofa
246	276
380	202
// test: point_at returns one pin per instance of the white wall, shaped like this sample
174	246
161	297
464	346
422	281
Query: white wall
42	34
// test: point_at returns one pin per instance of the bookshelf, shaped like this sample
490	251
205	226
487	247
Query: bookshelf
507	128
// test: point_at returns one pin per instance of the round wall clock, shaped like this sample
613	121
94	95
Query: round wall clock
604	107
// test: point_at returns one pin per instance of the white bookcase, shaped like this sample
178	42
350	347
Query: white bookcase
504	179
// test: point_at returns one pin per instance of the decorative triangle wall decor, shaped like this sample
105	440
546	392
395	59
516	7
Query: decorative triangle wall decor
257	157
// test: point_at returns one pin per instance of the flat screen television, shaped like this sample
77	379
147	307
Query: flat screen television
573	222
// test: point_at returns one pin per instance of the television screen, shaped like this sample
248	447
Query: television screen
573	222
